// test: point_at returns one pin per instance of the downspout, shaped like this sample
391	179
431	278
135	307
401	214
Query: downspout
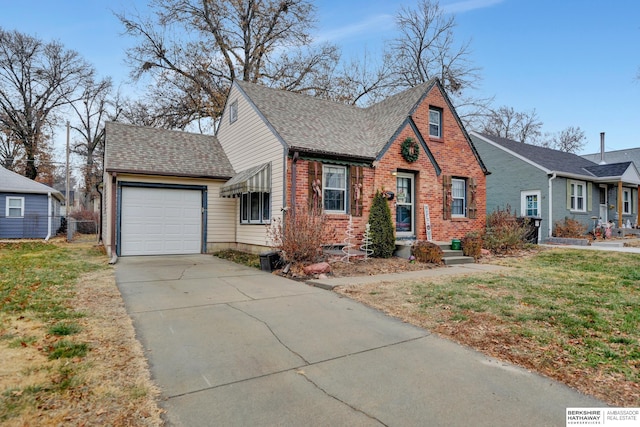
550	219
49	217
114	182
98	187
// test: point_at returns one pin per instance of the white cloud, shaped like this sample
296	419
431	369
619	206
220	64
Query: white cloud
467	5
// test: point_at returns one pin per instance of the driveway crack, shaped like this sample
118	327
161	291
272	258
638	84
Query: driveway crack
272	333
325	392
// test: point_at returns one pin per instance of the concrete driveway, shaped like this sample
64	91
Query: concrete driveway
233	346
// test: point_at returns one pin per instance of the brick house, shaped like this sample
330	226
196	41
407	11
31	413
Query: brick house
337	156
275	150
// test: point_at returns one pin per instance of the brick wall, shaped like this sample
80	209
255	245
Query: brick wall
452	153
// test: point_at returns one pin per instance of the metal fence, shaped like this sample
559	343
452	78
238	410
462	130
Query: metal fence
35	226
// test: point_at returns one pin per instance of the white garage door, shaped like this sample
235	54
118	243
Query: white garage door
160	221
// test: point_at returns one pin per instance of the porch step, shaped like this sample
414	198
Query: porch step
449	256
453	260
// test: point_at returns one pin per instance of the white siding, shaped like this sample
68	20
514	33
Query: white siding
249	142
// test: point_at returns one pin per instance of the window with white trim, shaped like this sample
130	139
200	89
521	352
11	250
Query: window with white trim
334	193
255	208
435	122
459	197
233	111
578	196
530	203
626	201
14	207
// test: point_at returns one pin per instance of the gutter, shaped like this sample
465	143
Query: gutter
550	225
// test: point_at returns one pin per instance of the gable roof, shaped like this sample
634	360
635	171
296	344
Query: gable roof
312	124
561	162
11	182
153	151
616	156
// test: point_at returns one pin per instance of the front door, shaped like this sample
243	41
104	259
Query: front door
405	205
603	204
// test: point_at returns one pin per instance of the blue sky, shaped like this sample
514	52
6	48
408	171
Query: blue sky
574	61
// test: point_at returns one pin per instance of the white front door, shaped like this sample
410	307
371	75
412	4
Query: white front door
604	204
405	205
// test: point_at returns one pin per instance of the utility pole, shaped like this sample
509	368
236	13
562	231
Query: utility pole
66	204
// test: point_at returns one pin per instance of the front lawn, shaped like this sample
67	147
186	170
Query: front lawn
569	314
68	354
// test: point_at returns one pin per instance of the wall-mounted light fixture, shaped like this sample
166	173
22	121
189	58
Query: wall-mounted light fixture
394	172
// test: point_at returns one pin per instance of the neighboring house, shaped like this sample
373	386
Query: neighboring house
554	185
161	190
28	209
617	156
276	151
333	157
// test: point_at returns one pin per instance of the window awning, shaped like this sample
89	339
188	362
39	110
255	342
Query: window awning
253	180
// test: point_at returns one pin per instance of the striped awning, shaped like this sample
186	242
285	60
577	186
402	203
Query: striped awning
253	180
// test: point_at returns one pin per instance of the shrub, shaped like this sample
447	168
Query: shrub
427	252
504	232
299	236
383	239
472	245
569	228
88	221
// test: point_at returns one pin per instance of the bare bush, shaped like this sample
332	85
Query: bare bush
570	228
299	236
504	232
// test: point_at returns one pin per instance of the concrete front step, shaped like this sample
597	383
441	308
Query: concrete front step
453	260
449	256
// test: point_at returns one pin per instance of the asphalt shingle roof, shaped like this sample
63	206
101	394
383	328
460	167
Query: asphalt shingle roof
617	156
156	151
314	124
11	182
553	160
613	169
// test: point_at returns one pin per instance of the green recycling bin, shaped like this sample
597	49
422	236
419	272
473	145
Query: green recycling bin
456	245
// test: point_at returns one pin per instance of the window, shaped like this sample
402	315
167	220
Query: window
577	196
435	122
255	208
459	196
15	207
335	188
530	205
626	201
233	111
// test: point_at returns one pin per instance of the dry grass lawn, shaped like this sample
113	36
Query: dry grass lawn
109	385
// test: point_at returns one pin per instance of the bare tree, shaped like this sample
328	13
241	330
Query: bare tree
91	110
570	140
508	123
36	78
194	49
427	48
10	148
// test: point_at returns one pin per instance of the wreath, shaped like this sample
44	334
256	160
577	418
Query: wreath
410	150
